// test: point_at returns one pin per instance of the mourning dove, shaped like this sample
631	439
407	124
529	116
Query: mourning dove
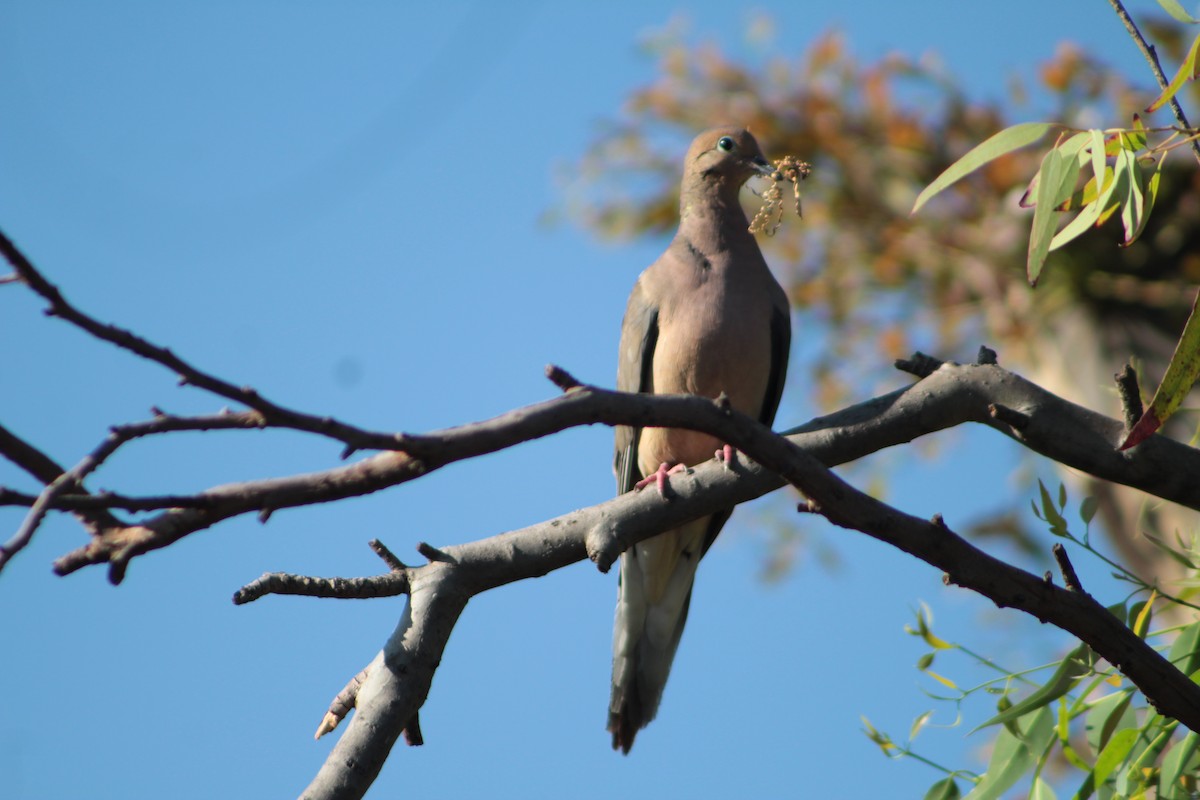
707	317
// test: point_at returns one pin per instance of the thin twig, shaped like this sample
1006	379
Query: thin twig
1151	55
275	415
1070	577
390	584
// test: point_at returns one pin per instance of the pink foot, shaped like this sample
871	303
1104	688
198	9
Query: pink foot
659	478
727	456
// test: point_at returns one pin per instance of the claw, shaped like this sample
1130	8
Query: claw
727	456
659	478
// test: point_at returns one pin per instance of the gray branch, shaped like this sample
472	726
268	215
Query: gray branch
397	681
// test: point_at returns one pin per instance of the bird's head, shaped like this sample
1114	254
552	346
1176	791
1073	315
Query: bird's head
726	155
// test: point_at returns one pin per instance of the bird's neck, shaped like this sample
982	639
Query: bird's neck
711	217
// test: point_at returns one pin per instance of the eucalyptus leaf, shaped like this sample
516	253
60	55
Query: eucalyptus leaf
1173	8
1187	71
1105	716
1176	383
1114	753
1071	669
1179	761
945	789
999	144
1013	755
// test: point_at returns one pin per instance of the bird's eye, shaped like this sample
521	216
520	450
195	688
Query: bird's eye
726	144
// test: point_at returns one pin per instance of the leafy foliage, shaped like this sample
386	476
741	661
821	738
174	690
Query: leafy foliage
1083	726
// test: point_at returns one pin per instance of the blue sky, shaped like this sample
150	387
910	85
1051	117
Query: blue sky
340	204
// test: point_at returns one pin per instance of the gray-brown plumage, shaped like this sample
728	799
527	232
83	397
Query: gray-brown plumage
707	317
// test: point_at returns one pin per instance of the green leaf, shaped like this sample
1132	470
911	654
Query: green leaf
1095	214
1170	551
1137	136
1105	716
919	724
1087	509
1151	196
1114	753
1072	148
1142	613
1044	221
1071	669
999	144
1057	177
1185	652
1099	161
878	737
1133	217
1173	8
1187	71
1058	525
925	662
1013	755
945	789
1155	735
949	684
1179	761
1041	790
1064	722
1176	383
923	630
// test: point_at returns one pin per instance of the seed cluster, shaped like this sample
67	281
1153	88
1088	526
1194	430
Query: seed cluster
770	215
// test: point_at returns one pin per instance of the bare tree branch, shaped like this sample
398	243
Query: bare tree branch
46	470
397	682
394	686
273	415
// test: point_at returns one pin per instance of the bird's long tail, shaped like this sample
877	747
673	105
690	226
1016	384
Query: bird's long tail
652	606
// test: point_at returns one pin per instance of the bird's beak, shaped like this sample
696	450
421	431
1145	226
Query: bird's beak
761	166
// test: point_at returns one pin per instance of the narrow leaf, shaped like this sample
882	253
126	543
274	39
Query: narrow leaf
1099	160
1041	790
1150	193
1072	148
919	724
1114	753
1071	669
1105	716
949	684
1083	197
945	789
1175	765
1058	525
1173	8
999	144
1088	508
1142	623
1176	383
1095	214
1013	756
1185	652
1170	551
1133	206
1052	176
1187	70
1136	137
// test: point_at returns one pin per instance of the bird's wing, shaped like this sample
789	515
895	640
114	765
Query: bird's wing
635	363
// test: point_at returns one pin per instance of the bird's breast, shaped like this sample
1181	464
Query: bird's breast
719	340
